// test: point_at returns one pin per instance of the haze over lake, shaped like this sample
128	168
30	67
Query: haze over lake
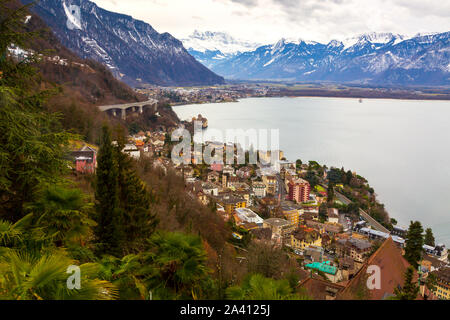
401	146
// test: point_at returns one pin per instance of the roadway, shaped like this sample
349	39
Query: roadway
371	221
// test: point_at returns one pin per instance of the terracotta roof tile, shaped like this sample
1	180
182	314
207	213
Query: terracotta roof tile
319	289
392	267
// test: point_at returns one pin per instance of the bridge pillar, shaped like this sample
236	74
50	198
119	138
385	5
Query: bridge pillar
141	109
124	114
114	112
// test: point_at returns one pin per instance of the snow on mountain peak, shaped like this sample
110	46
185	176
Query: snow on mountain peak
309	42
334	44
374	38
221	41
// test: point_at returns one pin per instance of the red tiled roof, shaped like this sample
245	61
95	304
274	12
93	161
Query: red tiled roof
392	267
319	289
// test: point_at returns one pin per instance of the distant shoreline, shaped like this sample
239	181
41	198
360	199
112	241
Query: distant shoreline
315	96
360	96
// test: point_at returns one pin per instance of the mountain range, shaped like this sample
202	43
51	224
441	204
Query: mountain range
137	54
134	51
373	58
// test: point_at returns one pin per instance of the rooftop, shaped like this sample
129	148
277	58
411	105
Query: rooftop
209	185
320	289
443	274
323	266
299	181
248	215
227	199
358	243
277	222
392	267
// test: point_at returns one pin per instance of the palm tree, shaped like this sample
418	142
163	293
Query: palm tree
25	275
257	287
125	274
178	263
11	233
63	213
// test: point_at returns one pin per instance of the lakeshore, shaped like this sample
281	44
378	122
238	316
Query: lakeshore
386	141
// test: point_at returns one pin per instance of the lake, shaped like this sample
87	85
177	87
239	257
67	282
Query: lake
401	146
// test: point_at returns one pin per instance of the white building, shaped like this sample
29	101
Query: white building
210	189
259	189
228	170
132	151
248	216
333	215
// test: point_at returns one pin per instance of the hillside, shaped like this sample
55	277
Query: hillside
83	84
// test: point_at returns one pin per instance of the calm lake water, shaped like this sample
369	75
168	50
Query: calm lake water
402	147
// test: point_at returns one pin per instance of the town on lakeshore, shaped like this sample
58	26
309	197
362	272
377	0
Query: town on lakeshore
327	219
234	91
247	165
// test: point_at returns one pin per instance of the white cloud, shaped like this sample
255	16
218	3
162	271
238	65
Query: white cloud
266	21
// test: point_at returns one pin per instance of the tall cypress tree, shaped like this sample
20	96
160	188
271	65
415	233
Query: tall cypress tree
108	230
330	193
323	212
134	199
410	289
414	243
429	237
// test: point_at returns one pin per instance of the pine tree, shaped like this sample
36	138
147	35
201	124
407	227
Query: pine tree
410	289
414	244
109	219
429	237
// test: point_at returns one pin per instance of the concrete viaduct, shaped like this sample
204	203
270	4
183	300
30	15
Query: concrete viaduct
135	107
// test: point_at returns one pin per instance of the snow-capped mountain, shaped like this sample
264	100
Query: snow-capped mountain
373	39
212	41
212	47
132	49
374	58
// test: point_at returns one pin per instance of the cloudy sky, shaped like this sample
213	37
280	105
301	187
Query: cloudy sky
267	21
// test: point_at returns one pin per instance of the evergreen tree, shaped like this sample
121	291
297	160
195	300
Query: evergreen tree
31	148
134	199
323	212
410	289
312	178
109	214
431	281
348	177
429	237
335	176
330	193
414	243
